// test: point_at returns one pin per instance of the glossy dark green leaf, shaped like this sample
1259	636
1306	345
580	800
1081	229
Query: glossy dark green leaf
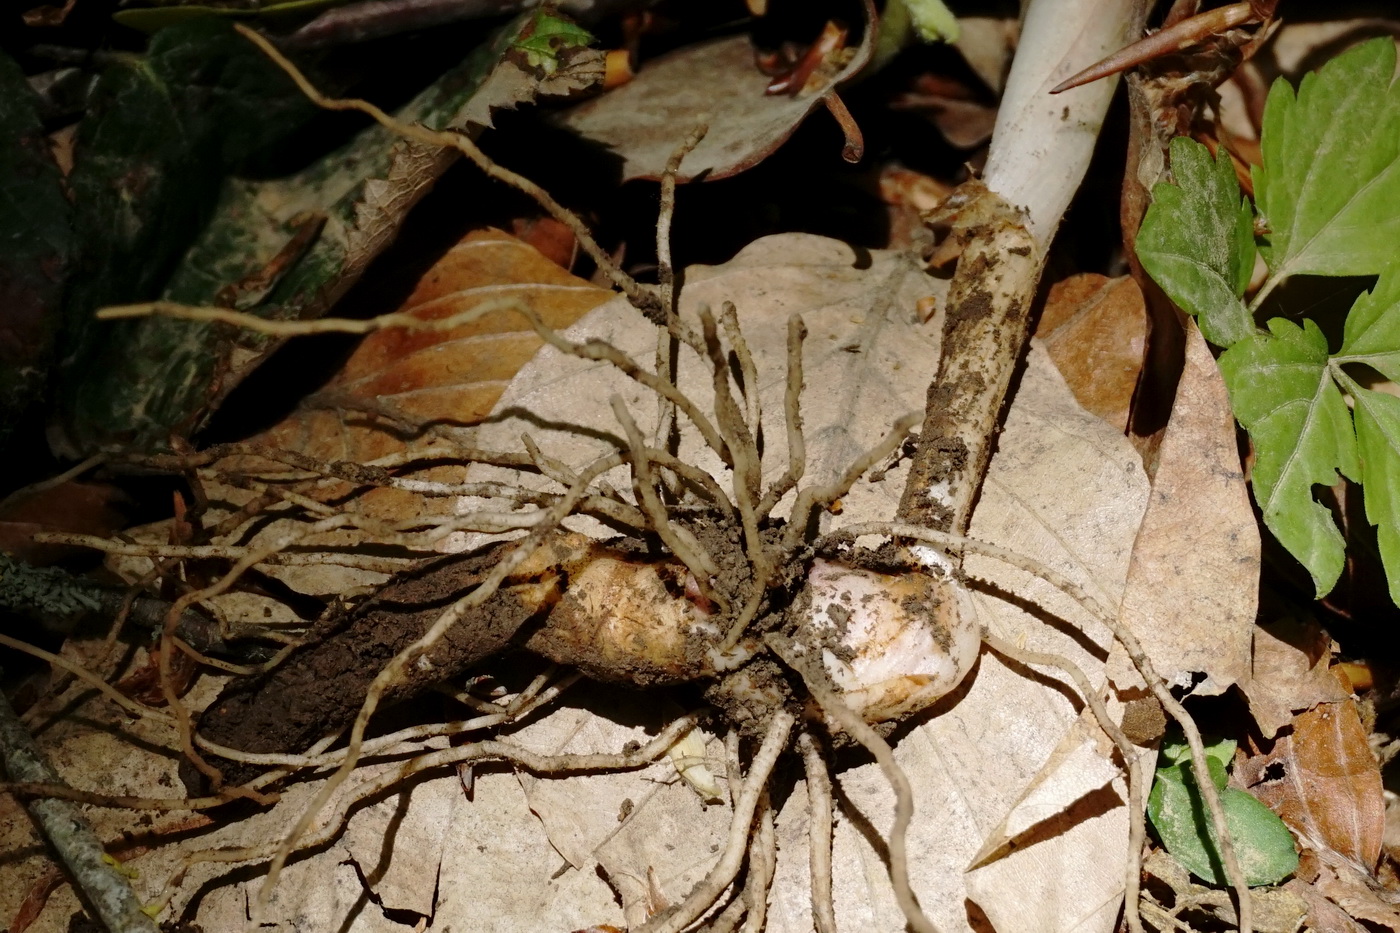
282	248
35	242
162	132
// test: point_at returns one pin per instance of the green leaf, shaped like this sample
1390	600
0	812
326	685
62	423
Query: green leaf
1282	392
160	135
1378	440
265	252
1197	242
933	21
1262	843
1330	179
1372	333
545	36
35	245
1174	751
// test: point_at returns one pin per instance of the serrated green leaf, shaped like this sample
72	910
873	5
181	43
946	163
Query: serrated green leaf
1372	334
1262	843
1282	392
1378	440
1330	179
1197	242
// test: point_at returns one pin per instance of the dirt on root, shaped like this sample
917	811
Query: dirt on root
321	685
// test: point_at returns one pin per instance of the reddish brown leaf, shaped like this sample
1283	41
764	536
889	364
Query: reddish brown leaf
437	377
1095	329
1322	779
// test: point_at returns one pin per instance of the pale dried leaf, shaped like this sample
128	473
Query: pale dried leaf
1065	487
1290	672
644	121
1193	587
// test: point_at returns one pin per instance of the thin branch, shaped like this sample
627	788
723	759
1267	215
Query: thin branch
104	887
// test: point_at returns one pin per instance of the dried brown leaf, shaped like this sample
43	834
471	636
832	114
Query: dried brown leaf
447	377
1290	672
1193	588
1095	330
643	121
1322	779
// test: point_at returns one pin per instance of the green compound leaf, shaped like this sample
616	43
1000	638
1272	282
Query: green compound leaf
1197	242
1261	841
1372	334
1378	439
1330	181
1282	391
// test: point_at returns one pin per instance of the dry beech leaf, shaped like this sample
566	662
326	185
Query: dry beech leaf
1290	673
1064	487
447	378
1322	779
451	377
643	121
1193	588
1355	892
1095	330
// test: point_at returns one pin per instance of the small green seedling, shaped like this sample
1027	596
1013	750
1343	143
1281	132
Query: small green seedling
548	36
1328	199
1262	843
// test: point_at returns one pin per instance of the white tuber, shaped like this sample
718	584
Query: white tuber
892	644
